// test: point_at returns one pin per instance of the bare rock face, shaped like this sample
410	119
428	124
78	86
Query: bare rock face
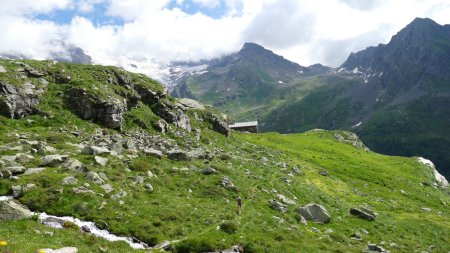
107	112
18	102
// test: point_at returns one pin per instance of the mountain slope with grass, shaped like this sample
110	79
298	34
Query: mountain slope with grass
395	96
108	146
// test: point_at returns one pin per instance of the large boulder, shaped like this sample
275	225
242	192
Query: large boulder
219	125
11	210
18	102
107	112
314	212
191	103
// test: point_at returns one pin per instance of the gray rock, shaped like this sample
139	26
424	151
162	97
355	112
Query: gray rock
314	212
69	181
285	199
18	102
17	191
375	248
183	121
303	220
74	165
280	207
107	188
62	250
121	194
149	187
107	112
17	170
42	148
161	125
11	210
191	103
227	184
2	69
94	177
81	190
363	213
153	152
103	176
54	160
179	155
94	150
32	171
219	125
102	161
208	171
29	187
323	172
137	179
234	249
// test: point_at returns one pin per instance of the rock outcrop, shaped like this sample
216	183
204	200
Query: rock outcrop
18	102
107	112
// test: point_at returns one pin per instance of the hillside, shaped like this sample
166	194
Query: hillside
111	147
395	96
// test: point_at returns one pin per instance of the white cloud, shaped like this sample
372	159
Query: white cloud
307	32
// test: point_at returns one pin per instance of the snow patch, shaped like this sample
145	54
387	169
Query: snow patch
357	125
280	82
437	176
380	74
355	70
341	69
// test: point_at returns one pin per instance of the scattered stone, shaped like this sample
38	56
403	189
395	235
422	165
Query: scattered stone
54	160
234	249
103	176
227	184
285	199
94	150
81	190
107	188
85	228
302	220
69	181
161	125
208	171
363	213
11	210
17	191
280	207
34	171
2	69
16	170
374	247
151	174
94	177
356	236
61	250
74	165
153	152
426	209
314	212
100	160
162	246
137	179
179	155
323	172
119	195
149	187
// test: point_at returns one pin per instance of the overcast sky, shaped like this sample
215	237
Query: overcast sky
307	32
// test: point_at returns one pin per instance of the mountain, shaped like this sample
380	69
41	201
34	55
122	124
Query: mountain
395	96
243	83
61	52
107	161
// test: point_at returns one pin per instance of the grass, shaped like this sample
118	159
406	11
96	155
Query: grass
195	210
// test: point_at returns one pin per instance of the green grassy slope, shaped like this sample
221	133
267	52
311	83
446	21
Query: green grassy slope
197	211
